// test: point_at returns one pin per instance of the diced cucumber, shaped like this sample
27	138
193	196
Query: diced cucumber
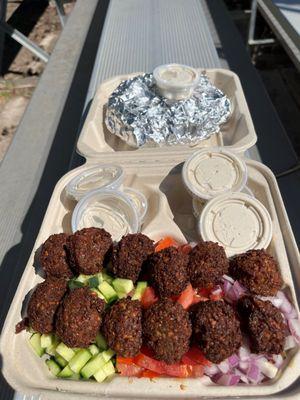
93	366
79	360
53	367
47	340
139	291
93	349
51	350
101	342
35	342
83	278
75	377
100	295
108	291
121	295
60	360
107	277
122	286
66	352
74	284
66	372
93	281
107	354
107	370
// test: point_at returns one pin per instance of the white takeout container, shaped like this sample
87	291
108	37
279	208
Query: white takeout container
101	176
237	134
111	210
176	81
170	213
210	172
237	221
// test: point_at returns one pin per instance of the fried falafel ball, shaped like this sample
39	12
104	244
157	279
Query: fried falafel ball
167	330
208	263
54	258
79	317
44	302
263	323
88	249
216	330
122	327
130	254
257	271
168	271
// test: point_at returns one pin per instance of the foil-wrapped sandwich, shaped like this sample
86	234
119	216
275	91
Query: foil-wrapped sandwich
139	115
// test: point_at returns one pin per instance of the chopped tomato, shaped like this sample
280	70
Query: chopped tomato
196	371
204	292
149	363
186	297
125	360
197	299
148	297
186	248
195	354
149	374
188	361
165	243
178	370
129	369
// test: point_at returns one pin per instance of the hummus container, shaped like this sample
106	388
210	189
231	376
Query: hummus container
108	209
237	221
211	172
175	81
198	204
138	200
102	176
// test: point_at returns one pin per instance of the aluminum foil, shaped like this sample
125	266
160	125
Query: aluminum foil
139	115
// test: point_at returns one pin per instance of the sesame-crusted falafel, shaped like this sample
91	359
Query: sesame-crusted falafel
167	330
168	271
216	330
88	249
122	327
257	271
79	317
130	254
264	324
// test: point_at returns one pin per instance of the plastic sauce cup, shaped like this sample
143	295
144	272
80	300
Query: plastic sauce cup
108	209
236	221
211	172
139	201
176	81
101	176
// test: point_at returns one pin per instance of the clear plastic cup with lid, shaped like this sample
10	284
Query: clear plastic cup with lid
176	81
237	221
138	200
213	171
108	209
101	176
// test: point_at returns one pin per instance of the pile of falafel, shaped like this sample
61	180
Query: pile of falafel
166	328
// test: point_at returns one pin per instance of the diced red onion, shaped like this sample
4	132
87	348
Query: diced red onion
228	279
224	366
294	326
243	377
267	368
278	360
238	289
277	302
218	290
211	370
233	360
290	343
243	365
193	244
244	353
228	380
254	373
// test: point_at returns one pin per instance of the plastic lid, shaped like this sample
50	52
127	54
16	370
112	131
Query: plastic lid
199	204
176	81
108	209
211	172
102	176
138	200
236	221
